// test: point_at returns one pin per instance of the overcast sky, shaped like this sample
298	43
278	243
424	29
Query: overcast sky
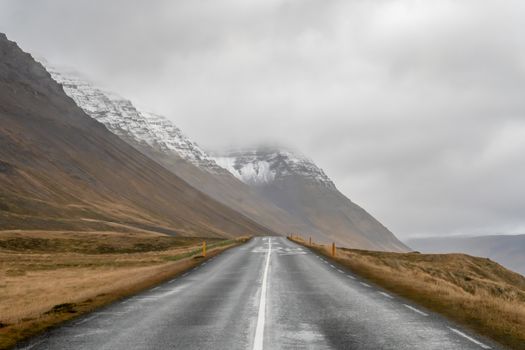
416	109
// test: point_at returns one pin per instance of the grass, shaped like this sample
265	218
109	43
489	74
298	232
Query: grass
475	292
49	277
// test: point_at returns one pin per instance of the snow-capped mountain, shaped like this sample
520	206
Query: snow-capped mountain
62	170
265	166
295	184
280	190
122	118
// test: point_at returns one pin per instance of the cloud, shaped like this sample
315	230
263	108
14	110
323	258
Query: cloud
416	109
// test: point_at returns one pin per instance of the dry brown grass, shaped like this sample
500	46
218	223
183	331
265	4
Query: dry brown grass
47	278
475	292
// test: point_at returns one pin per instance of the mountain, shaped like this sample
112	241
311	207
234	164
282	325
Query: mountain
508	250
138	127
296	185
62	170
158	138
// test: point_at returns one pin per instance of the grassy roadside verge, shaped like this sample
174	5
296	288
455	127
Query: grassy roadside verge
48	278
472	291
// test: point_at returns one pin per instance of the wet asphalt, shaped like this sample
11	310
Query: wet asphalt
267	294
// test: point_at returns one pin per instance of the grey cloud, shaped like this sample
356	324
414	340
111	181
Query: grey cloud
416	109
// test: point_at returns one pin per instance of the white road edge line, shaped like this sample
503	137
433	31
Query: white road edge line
351	277
386	295
86	320
458	332
332	266
32	345
155	288
416	310
261	318
364	284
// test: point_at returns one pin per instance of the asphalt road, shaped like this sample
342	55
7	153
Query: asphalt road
267	294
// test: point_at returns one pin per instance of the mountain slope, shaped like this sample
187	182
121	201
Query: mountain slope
60	169
508	250
295	184
161	140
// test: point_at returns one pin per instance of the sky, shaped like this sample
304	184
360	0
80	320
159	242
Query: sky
416	109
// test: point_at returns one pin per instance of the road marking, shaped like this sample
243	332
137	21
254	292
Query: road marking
155	288
259	331
364	284
332	266
416	310
340	271
152	298
86	320
351	277
386	295
185	274
33	345
111	313
458	332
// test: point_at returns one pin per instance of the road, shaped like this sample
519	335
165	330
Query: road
267	294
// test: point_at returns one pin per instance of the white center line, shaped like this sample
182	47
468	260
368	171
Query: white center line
386	295
458	332
261	319
416	310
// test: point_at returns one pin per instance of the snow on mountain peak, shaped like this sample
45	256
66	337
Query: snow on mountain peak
122	118
264	166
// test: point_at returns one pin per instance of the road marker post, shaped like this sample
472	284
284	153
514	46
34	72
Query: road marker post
204	248
333	249
310	241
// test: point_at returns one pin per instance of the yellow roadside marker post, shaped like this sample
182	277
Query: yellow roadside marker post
333	248
204	248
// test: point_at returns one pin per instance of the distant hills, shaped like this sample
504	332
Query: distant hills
276	188
508	250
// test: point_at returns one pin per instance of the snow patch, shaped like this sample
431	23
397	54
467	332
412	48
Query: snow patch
122	118
266	166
